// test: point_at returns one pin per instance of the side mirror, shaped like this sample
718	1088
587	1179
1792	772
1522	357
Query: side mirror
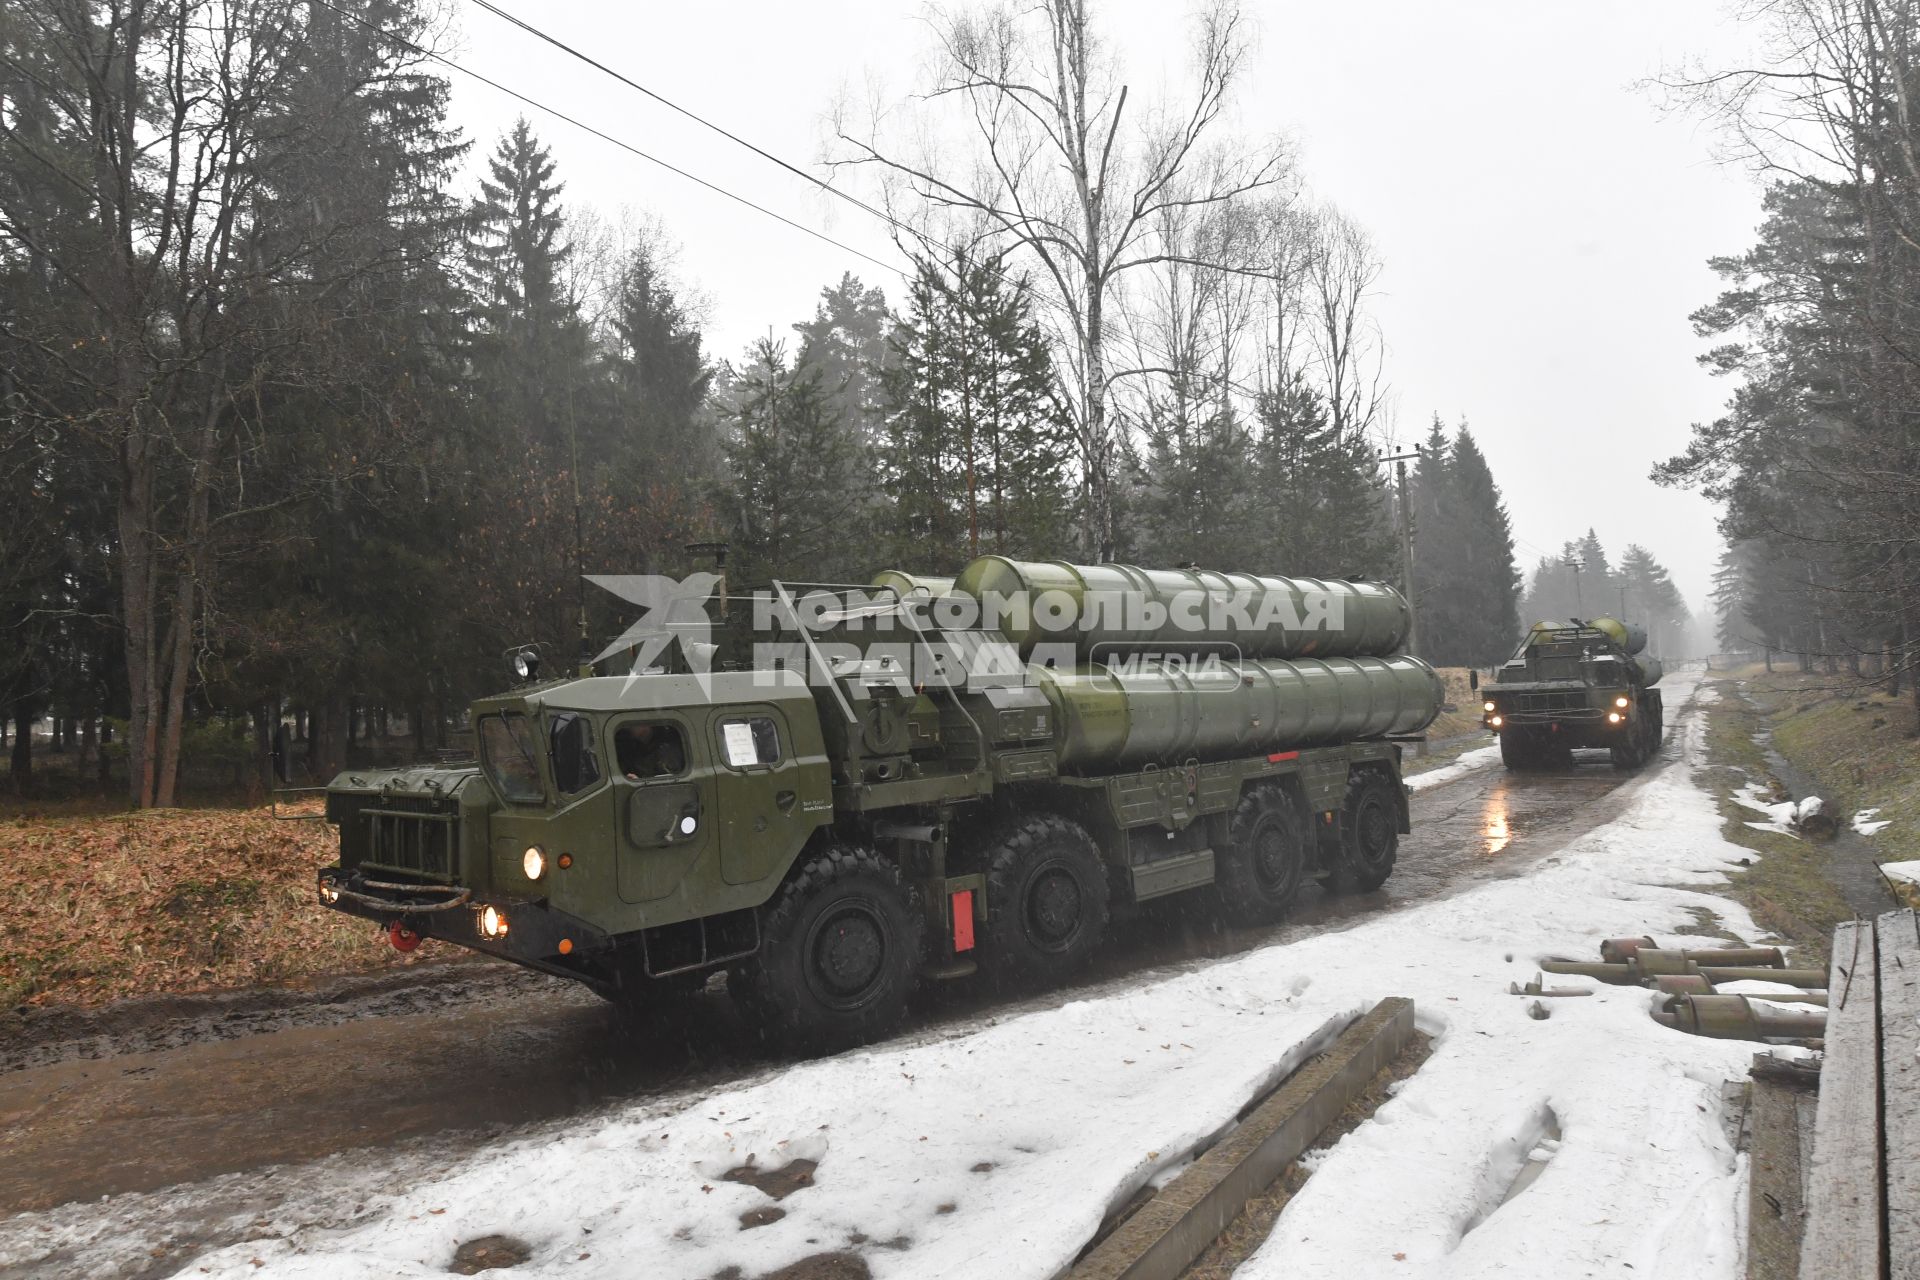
1473	679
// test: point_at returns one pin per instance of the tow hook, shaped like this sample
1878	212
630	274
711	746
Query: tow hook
402	938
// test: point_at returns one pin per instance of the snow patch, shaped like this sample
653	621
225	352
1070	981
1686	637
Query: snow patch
1785	816
1908	872
1001	1150
1869	821
1467	762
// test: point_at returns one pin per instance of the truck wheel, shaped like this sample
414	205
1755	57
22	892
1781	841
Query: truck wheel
1046	901
1517	751
1370	834
1258	875
840	947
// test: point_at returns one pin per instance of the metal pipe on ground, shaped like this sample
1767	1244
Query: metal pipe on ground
1632	973
1738	1018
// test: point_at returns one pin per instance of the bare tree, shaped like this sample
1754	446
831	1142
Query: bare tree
1344	343
1058	169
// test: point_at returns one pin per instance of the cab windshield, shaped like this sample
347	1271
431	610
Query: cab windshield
509	753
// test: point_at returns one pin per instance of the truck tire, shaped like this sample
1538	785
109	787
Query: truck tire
840	948
1369	834
1046	901
1259	874
1517	751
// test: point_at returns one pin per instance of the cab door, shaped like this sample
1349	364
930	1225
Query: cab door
768	812
665	816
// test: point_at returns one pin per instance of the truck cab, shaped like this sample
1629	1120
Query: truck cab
656	809
1576	685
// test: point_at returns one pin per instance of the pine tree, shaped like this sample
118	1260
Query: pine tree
1651	598
1321	509
532	356
1197	503
797	474
661	378
1437	567
847	342
975	449
1488	585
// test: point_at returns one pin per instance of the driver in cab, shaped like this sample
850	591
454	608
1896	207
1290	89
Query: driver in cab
648	751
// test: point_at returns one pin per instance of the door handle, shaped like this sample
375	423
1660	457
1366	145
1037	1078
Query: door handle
785	800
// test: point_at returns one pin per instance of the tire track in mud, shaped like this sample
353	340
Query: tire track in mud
469	1052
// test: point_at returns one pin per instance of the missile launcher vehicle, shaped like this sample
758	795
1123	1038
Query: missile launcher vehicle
913	784
1576	685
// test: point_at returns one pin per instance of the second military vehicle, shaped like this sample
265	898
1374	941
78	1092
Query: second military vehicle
1572	685
830	837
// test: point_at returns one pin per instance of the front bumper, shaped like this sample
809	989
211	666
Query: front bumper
537	935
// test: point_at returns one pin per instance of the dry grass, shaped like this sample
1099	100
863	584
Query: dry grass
99	905
1854	763
1461	711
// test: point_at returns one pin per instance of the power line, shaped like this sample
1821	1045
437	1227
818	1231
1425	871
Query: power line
558	114
828	187
695	116
864	206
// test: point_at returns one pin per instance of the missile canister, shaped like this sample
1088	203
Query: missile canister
912	585
1117	605
1233	707
1630	636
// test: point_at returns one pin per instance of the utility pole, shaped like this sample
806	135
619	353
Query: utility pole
1623	604
1399	461
1574	563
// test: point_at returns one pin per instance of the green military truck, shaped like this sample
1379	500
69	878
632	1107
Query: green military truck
834	835
1576	685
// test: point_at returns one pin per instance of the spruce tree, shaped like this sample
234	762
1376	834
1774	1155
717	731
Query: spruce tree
1320	509
532	356
976	448
661	378
1652	599
797	475
1488	585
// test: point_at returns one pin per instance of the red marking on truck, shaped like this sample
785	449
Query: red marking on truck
402	938
1278	756
963	921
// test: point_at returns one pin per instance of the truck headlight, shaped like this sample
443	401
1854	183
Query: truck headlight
1495	722
1487	707
329	892
1621	703
1613	717
533	863
493	922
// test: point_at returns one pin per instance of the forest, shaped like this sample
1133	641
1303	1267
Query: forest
1816	460
313	407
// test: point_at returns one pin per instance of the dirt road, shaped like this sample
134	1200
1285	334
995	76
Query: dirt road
183	1091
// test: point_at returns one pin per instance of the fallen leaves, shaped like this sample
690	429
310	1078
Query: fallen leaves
100	906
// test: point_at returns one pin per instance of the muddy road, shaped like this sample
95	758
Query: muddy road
150	1094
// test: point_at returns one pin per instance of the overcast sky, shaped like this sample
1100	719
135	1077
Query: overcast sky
1544	231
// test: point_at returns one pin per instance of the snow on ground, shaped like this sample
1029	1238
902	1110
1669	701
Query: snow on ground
1466	762
1782	817
1906	871
1868	821
999	1151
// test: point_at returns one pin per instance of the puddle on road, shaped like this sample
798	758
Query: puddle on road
569	1057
